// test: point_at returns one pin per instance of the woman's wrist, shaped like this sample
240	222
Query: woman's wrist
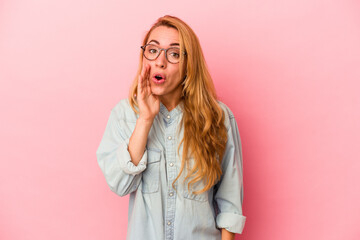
146	120
226	235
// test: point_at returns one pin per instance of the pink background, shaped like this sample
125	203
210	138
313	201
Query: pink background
288	69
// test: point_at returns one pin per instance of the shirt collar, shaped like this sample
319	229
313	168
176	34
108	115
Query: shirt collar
173	113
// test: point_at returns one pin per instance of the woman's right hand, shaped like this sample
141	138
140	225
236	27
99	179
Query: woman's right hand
149	104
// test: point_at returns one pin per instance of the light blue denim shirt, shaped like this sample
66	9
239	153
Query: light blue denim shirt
157	210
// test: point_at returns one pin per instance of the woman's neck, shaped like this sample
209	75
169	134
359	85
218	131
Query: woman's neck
170	104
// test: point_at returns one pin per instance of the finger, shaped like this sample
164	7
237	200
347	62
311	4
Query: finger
148	75
142	78
139	87
147	82
143	73
149	86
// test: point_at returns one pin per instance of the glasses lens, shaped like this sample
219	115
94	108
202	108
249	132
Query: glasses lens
173	55
151	52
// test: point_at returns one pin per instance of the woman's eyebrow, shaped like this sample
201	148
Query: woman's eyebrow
156	42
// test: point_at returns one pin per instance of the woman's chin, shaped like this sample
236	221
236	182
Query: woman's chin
157	90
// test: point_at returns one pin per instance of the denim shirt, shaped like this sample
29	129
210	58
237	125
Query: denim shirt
157	210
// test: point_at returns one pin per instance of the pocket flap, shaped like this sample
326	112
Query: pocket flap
153	155
199	197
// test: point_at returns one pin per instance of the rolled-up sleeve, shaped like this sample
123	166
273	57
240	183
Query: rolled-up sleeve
114	159
229	190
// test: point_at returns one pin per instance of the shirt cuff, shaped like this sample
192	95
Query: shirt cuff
124	159
231	221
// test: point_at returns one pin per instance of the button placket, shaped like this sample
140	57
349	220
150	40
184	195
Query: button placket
170	148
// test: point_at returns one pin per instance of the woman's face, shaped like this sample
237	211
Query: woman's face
169	87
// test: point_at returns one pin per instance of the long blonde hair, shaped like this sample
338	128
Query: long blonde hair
205	134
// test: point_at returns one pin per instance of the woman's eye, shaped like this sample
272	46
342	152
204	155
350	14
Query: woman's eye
174	55
152	50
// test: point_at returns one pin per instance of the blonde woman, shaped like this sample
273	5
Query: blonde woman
173	147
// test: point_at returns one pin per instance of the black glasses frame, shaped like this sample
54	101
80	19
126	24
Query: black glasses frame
160	49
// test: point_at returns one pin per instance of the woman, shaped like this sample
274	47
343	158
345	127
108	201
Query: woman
173	146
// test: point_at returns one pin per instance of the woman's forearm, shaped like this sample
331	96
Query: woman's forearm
226	235
138	140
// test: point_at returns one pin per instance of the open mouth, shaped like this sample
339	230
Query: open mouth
158	77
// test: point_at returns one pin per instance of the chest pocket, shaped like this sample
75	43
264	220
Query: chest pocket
188	194
197	186
151	175
202	197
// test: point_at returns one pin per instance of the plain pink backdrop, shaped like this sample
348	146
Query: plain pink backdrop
288	69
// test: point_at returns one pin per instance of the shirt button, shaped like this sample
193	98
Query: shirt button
171	164
169	137
168	116
168	223
171	194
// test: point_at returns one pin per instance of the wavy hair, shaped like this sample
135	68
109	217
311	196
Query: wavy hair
205	134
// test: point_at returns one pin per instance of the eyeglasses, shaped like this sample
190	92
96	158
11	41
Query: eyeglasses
152	52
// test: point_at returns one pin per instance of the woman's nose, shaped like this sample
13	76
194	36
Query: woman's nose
161	60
